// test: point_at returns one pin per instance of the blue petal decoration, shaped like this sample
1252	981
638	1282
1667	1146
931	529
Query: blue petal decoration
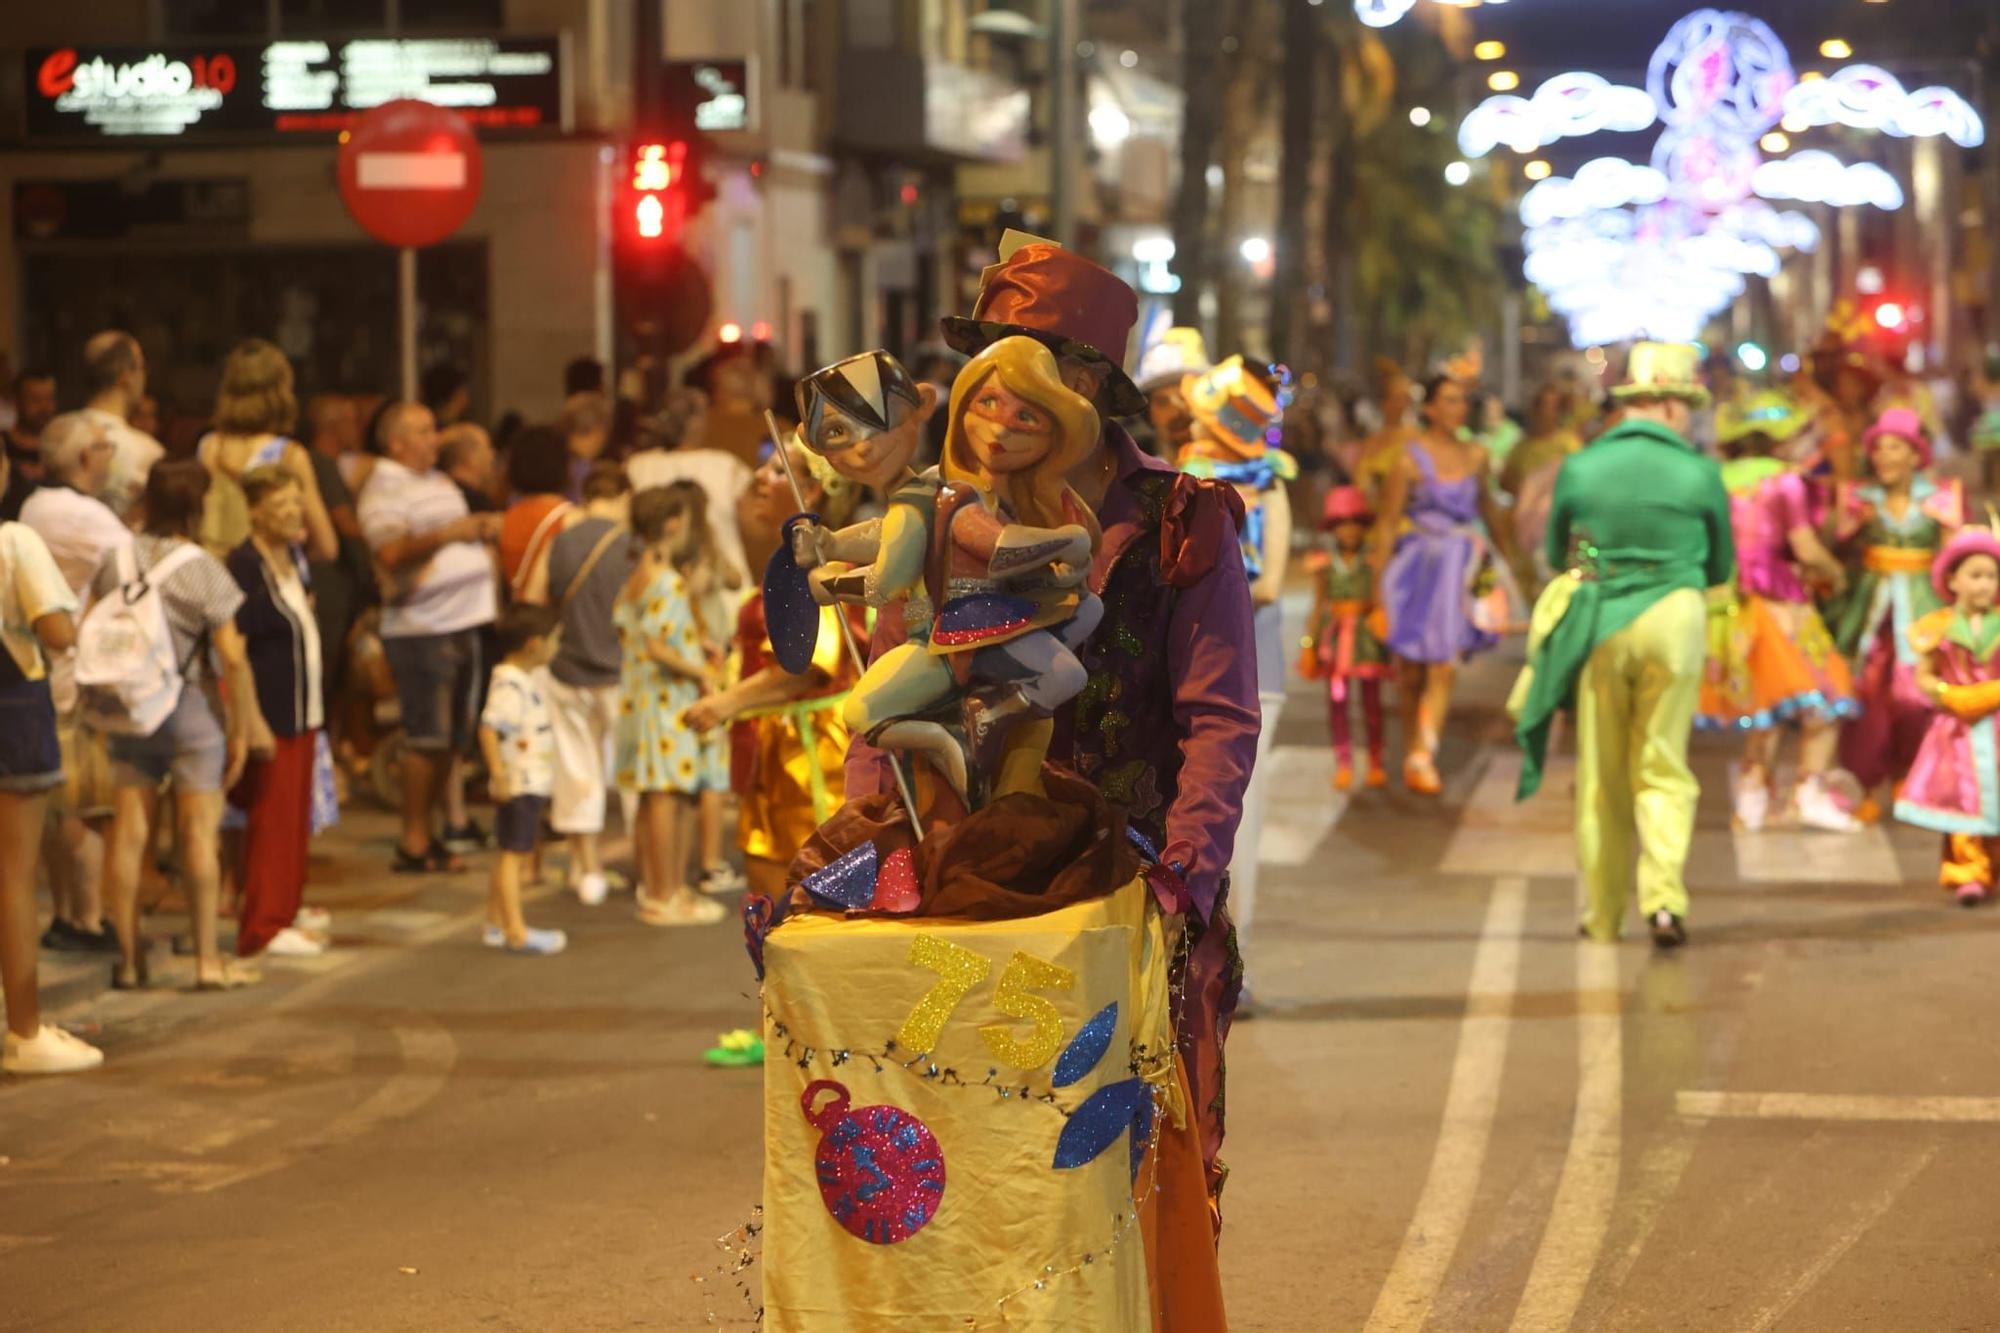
1096	1125
1142	1134
847	882
1086	1048
791	616
1143	843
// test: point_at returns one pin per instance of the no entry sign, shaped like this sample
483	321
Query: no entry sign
410	172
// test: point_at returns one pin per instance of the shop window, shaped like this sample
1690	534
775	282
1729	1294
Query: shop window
215	18
335	16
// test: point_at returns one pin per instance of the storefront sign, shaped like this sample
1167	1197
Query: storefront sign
288	87
118	210
715	92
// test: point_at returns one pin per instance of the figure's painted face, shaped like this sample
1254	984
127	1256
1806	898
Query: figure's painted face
865	453
1895	459
1976	582
1006	433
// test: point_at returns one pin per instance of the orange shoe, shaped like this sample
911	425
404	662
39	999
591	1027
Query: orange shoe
1420	775
1869	811
1343	777
1378	776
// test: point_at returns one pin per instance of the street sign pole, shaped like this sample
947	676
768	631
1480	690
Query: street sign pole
406	319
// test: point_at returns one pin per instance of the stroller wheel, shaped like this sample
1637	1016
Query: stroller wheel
385	771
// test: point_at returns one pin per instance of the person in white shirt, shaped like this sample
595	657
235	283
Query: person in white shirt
36	607
673	446
438	590
81	533
114	369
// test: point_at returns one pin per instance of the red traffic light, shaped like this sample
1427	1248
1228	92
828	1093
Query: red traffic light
659	202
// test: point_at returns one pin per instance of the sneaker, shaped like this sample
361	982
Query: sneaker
723	879
62	937
314	919
592	890
1972	895
1420	775
682	910
493	937
1818	809
49	1051
1378	776
291	942
1669	931
468	837
540	943
1753	804
1343	776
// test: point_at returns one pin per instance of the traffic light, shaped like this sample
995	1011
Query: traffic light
663	296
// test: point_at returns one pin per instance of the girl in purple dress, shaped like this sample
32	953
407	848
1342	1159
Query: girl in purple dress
1954	785
1442	587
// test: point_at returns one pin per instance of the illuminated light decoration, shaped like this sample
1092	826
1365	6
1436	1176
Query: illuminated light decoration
1457	173
1867	97
1726	71
1109	125
760	331
729	333
1420	116
1835	48
1566	106
1153	249
1815	177
1753	357
1789	363
1601	183
1255	249
1382	13
1537	170
1503	80
1489	50
1704	169
1775	142
1869	280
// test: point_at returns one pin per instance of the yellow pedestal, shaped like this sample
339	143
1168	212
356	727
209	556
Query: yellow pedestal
838	993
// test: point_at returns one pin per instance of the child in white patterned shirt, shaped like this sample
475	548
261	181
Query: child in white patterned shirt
518	740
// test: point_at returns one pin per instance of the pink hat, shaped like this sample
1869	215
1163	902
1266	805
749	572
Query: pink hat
1905	424
1970	542
1346	504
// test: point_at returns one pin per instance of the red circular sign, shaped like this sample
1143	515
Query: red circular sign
410	172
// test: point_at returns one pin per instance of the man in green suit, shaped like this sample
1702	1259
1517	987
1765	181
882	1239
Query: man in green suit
1640	521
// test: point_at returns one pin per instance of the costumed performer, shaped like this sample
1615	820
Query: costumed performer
1771	660
1167	726
1343	639
1441	586
1163	368
1237	408
1892	527
1382	452
1529	474
1641	524
788	739
1954	785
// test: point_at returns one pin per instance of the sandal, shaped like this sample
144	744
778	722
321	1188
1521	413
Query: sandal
682	910
137	977
436	860
231	979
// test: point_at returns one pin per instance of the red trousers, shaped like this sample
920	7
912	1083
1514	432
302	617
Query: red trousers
276	796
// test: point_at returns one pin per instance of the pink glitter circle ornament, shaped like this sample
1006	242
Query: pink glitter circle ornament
881	1173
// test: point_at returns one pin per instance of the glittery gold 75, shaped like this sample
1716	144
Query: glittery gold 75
1025	972
959	969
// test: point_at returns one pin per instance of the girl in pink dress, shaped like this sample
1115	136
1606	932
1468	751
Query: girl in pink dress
1954	785
1772	660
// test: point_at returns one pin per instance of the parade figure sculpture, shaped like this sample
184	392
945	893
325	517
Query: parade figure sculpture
980	592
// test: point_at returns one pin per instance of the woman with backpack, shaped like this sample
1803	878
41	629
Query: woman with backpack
202	743
35	609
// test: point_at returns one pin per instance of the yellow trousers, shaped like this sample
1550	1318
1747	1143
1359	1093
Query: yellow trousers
1635	706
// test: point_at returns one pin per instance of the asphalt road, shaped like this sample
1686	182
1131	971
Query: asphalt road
1451	1114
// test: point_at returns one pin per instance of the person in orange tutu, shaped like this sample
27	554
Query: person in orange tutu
1771	660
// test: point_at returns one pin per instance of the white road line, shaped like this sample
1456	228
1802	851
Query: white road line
1798	856
1837	1106
1581	1214
1871	1213
1495	836
1300	804
1470	1102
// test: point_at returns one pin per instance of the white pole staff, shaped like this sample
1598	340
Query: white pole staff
778	439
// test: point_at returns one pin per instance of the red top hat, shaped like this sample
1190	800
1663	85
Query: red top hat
1061	299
